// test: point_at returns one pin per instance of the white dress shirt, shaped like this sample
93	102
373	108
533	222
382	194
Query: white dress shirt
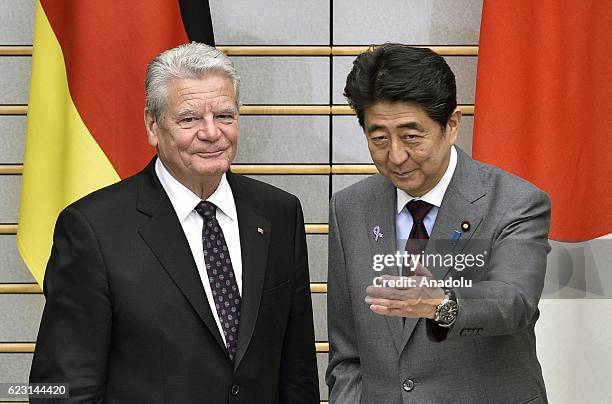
184	202
403	219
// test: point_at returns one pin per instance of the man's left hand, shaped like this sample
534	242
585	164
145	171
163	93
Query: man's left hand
416	302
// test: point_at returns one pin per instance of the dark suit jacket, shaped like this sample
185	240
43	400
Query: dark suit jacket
127	320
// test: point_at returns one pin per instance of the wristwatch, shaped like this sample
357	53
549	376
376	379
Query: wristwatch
446	312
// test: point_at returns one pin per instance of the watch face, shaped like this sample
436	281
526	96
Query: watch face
448	312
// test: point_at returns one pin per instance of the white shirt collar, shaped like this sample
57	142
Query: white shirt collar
436	194
184	201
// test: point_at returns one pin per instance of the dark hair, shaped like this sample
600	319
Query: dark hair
399	73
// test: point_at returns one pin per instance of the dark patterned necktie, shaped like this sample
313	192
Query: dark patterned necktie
418	234
220	275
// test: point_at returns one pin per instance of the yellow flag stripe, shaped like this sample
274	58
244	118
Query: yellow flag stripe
62	161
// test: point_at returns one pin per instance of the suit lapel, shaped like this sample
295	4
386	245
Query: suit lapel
254	245
382	216
458	206
166	239
455	211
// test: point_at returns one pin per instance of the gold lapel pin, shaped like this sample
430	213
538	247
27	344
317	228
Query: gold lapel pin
465	226
260	230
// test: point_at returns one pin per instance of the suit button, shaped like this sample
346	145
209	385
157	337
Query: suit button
408	385
235	390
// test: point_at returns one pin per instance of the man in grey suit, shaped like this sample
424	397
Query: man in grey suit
470	239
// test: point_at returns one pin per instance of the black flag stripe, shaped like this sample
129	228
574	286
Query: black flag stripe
197	21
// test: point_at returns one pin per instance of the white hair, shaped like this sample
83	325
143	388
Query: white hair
192	60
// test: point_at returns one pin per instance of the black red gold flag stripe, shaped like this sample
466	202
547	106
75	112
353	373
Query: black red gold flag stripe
85	118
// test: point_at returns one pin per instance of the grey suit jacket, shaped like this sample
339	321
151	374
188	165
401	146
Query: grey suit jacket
489	355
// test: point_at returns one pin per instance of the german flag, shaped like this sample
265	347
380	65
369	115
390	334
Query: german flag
85	116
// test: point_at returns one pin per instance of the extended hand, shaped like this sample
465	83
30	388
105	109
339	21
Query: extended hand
417	301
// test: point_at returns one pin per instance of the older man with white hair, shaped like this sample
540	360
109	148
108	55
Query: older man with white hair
185	283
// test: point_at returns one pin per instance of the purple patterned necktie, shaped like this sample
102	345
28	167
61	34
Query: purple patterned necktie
220	275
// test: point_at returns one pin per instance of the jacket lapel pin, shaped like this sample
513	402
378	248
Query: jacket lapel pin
377	233
260	230
455	237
